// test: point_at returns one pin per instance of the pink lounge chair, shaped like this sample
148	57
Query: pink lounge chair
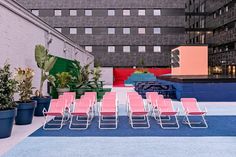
191	108
137	113
108	113
56	110
166	109
93	97
82	109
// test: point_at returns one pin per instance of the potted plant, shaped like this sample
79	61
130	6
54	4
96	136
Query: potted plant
97	73
7	104
45	62
62	80
25	106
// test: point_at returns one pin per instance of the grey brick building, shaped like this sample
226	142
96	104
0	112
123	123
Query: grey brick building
213	22
118	33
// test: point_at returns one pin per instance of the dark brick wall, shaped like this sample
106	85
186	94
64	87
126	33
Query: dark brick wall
171	23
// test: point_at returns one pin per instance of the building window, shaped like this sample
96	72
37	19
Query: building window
111	12
142	49
73	30
88	48
126	30
226	8
57	12
141	12
156	30
35	12
88	31
141	31
126	12
73	12
156	12
156	48
214	15
126	49
58	29
111	48
111	31
88	12
220	12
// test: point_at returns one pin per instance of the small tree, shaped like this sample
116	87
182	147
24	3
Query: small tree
45	62
24	78
7	88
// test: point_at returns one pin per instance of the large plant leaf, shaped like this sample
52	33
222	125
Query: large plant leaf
40	55
49	64
51	79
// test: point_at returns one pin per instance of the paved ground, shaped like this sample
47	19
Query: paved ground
19	145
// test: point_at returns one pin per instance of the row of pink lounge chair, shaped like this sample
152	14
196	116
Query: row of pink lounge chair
80	112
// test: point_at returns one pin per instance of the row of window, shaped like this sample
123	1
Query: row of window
126	49
224	9
111	30
110	12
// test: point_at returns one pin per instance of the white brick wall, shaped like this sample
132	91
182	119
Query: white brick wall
20	31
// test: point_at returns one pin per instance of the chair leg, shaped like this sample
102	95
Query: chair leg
186	120
176	123
46	122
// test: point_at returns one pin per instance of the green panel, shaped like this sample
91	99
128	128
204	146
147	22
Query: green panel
61	65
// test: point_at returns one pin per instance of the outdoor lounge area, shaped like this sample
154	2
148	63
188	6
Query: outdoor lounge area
121	78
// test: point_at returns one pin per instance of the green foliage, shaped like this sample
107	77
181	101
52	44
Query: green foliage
7	88
96	72
81	74
24	78
45	62
63	79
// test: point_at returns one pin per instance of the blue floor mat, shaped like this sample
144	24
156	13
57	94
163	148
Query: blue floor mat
218	126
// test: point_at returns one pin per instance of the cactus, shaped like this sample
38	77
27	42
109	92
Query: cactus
45	62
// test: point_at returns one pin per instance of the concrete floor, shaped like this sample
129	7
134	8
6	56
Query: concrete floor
20	133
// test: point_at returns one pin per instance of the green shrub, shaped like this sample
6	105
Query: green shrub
24	78
7	88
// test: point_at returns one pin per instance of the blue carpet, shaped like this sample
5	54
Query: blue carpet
218	126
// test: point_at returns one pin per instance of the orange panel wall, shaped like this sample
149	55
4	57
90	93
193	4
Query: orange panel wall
193	61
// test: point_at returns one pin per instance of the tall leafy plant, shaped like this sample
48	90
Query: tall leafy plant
97	73
7	88
81	74
63	79
45	62
24	78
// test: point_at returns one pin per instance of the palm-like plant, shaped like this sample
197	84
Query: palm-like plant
45	62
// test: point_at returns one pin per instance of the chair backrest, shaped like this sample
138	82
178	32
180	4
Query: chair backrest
57	105
136	102
108	103
190	104
69	99
167	106
83	102
92	95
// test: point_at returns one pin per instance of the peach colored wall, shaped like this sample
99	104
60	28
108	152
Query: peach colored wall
193	61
